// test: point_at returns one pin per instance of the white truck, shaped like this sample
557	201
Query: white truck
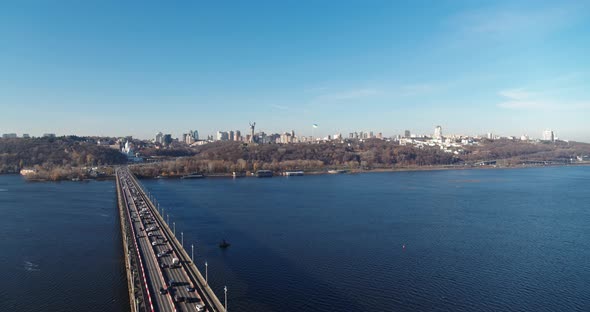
175	262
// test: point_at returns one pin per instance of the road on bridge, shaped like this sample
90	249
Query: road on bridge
169	275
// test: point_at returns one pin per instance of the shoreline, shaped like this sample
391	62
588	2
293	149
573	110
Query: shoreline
382	170
325	172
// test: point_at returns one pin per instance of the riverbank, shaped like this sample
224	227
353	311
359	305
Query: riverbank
378	170
319	172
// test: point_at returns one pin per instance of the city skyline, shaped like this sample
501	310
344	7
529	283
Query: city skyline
192	136
505	67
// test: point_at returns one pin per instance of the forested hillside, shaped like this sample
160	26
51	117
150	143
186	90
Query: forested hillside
49	153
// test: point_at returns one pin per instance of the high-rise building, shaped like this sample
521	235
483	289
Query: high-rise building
438	135
9	135
230	137
548	135
237	136
407	134
49	135
167	139
222	136
159	138
26	136
195	135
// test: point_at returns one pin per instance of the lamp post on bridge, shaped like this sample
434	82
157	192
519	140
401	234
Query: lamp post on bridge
168	217
174	226
193	253
225	292
206	275
182	239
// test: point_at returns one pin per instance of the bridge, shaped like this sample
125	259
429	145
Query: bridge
161	275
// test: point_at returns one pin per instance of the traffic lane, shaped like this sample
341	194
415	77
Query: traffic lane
154	278
149	267
181	280
179	274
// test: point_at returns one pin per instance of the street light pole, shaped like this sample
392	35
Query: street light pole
168	217
193	253
225	292
182	239
174	226
206	275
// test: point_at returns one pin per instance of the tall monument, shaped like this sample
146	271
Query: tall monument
252	126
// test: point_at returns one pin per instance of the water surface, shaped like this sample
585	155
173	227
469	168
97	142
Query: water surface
61	247
471	240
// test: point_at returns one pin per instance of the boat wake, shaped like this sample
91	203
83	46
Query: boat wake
3	190
31	267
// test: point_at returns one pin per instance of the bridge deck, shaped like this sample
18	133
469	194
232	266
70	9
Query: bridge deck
157	247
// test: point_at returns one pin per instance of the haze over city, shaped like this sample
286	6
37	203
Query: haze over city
112	68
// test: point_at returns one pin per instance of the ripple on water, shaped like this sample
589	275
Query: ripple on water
30	266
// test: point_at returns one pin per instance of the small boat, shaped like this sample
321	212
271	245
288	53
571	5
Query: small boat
224	244
293	173
337	171
193	176
264	173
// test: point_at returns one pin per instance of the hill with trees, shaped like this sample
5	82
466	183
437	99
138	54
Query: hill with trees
227	157
50	154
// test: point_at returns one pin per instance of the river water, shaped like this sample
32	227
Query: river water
465	240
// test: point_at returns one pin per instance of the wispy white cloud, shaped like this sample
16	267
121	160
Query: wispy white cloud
280	107
520	99
418	89
346	95
516	94
508	21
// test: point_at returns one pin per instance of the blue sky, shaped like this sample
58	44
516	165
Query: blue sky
139	67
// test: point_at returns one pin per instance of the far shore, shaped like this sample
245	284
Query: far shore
325	171
381	170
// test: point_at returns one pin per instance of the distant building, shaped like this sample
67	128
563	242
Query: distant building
438	135
26	136
49	135
548	135
222	136
237	136
159	138
167	139
195	135
490	136
9	136
407	134
230	136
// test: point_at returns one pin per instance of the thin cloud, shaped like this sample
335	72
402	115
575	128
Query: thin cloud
280	107
520	99
348	95
516	94
513	21
418	89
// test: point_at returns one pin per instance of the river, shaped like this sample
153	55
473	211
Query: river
462	240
